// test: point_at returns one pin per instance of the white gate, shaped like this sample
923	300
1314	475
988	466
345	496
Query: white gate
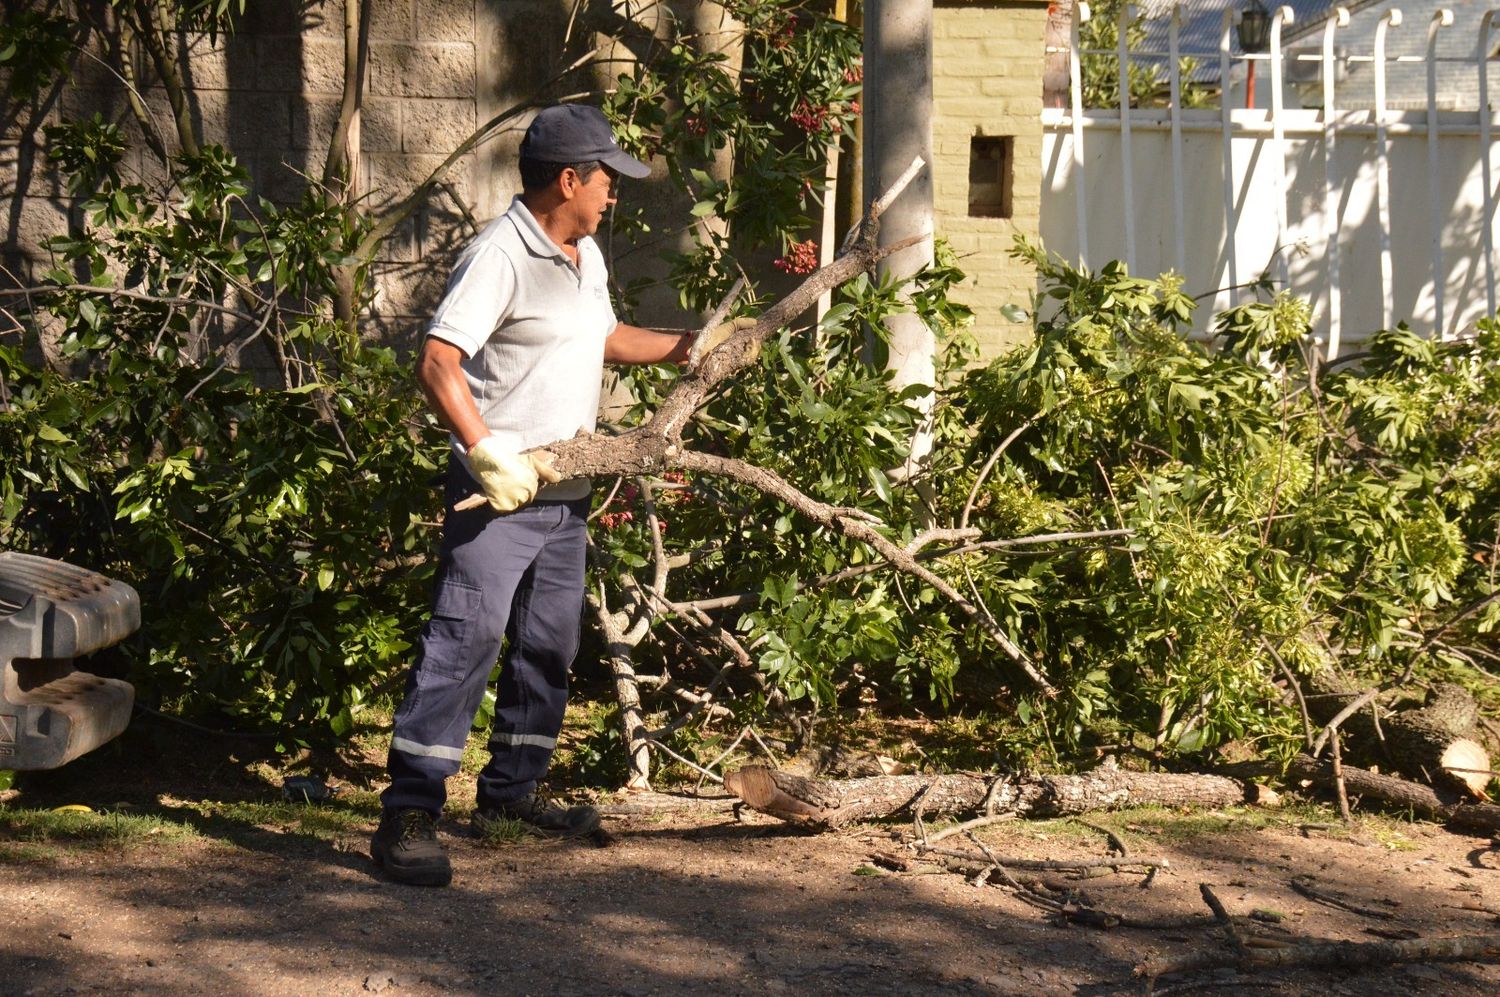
1375	215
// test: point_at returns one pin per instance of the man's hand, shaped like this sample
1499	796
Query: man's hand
723	331
509	480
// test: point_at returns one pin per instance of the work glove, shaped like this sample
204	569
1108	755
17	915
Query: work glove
509	480
723	331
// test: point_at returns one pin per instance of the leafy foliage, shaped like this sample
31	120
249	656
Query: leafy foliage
1147	80
225	500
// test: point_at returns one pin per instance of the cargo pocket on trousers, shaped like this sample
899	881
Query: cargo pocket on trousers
452	630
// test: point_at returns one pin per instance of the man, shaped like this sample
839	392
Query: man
513	360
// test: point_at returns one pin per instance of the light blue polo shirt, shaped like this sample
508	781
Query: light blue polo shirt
532	327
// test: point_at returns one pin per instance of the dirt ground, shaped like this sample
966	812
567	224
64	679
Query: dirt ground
697	903
192	875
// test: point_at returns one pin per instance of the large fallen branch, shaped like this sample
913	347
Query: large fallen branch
656	446
827	803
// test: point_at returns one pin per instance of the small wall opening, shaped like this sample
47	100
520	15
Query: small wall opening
991	175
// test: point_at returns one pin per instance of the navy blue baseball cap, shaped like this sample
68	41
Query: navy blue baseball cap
578	133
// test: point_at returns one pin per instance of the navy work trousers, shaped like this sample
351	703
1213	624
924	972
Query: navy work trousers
516	578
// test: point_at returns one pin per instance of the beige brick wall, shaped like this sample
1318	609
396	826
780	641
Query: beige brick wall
987	80
270	93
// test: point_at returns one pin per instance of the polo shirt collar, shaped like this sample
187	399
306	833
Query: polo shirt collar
538	241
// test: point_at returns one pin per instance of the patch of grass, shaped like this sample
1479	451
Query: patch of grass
498	831
29	832
349	814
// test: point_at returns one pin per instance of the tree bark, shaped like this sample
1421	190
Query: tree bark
831	803
1403	795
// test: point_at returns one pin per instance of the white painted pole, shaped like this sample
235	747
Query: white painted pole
829	231
1441	18
1179	218
1282	16
1485	115
1333	222
1123	56
1231	259
1392	19
897	131
1081	14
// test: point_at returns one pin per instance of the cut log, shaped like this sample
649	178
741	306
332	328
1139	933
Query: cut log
1403	794
831	803
1435	742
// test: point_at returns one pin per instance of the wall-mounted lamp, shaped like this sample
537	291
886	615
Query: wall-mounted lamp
1254	32
1255	28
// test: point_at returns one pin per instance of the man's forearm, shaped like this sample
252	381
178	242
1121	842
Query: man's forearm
629	344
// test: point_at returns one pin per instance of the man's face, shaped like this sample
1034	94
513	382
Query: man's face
593	198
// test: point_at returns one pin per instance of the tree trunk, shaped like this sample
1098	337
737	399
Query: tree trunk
828	803
1434	743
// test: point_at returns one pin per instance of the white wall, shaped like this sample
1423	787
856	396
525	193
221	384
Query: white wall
1249	241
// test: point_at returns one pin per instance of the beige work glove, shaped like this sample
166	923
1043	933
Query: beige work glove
723	331
509	480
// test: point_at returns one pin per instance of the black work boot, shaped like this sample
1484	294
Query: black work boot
405	845
540	817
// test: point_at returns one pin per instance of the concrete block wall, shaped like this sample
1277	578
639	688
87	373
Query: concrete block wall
270	94
987	81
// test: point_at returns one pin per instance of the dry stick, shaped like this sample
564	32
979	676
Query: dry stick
1029	895
676	757
1116	843
1354	707
1336	745
1222	916
1305	888
970	825
724	754
1296	687
746	598
916	805
769	753
1048	865
1464	948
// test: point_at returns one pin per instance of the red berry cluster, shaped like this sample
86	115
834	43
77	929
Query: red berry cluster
783	37
695	125
855	73
803	258
813	118
678	495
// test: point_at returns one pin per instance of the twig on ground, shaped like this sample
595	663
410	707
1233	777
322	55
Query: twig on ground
1311	892
1116	843
1463	948
969	825
1222	916
1050	865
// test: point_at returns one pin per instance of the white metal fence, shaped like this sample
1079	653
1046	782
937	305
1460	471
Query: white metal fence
1375	215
